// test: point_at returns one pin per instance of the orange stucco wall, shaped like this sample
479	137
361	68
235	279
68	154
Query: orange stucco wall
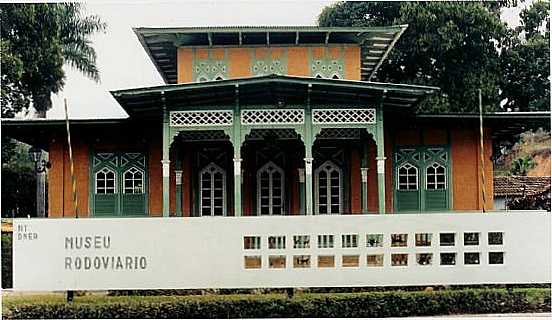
466	169
239	59
60	191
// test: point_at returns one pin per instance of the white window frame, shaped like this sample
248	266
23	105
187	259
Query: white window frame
276	168
105	170
328	187
417	176
436	165
207	169
133	180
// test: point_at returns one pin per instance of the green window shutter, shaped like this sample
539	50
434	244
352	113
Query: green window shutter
105	205
113	199
408	200
133	204
436	199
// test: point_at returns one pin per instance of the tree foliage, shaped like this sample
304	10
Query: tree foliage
36	41
525	63
457	46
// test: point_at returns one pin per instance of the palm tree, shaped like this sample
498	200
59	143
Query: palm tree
40	39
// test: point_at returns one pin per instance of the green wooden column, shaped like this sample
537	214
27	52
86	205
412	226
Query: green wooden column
309	140
380	156
178	185
165	160
364	178
237	142
301	173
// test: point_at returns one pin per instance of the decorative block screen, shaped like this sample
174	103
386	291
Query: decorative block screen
272	116
210	118
344	116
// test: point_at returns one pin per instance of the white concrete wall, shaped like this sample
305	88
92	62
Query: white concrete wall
209	252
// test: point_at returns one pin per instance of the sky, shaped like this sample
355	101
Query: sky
123	63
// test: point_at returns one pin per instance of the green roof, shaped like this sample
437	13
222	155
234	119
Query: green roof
261	90
161	43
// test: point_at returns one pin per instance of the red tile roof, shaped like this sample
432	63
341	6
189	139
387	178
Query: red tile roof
520	186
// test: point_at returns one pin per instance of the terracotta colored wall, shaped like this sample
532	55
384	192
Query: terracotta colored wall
60	190
155	199
372	177
240	59
355	182
184	65
298	61
55	179
352	63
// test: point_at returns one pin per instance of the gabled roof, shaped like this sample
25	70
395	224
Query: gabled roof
161	43
269	89
520	186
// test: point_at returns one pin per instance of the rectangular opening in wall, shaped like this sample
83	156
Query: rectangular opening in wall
251	242
424	259
301	242
423	239
399	259
471	258
349	241
496	257
326	261
374	260
277	262
495	238
252	262
350	261
399	240
448	258
447	239
325	241
471	238
277	242
374	240
301	261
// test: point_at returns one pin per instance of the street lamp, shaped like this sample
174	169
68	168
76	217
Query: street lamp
35	155
41	165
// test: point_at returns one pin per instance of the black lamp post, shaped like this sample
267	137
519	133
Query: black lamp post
41	165
35	155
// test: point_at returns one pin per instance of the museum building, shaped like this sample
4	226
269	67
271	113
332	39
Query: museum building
255	121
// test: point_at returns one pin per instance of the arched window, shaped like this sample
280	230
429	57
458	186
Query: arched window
436	178
335	76
270	190
133	180
328	179
407	175
218	78
318	76
202	79
105	181
212	185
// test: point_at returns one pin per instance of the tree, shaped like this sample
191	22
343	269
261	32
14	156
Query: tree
525	62
453	45
36	41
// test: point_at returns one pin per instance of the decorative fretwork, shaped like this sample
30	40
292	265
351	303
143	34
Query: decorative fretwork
273	116
209	70
327	68
284	134
202	135
206	118
265	67
339	133
344	116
